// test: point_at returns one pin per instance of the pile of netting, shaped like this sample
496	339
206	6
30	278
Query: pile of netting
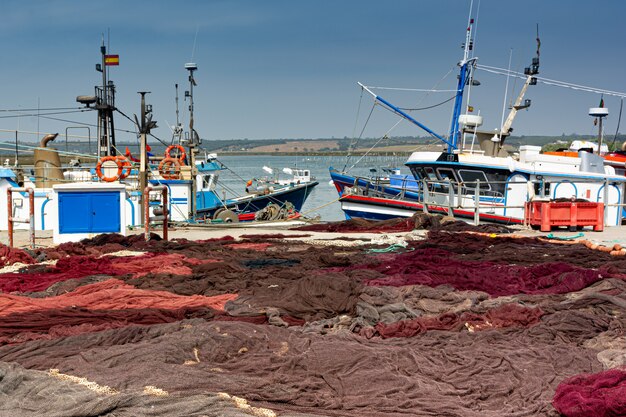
457	323
417	221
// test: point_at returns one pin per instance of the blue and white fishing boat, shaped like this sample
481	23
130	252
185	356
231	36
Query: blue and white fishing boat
483	182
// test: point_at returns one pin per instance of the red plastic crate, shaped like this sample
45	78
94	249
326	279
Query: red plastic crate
571	214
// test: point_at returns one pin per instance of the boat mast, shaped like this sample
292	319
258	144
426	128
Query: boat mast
464	73
193	141
105	105
466	65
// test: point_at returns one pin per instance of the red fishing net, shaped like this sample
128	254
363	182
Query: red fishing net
9	256
602	395
81	266
111	294
435	267
507	315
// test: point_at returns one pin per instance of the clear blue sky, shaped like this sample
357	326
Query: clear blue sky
288	69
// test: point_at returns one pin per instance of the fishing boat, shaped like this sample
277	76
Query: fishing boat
78	201
265	198
482	183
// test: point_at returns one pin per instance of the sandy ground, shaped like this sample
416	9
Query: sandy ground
608	237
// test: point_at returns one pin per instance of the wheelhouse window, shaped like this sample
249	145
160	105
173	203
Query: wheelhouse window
446	173
429	173
469	177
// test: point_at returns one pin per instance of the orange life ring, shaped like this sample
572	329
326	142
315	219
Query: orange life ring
169	168
126	166
180	148
106	159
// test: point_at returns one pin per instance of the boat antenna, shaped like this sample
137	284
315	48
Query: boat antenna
475	26
177	112
178	129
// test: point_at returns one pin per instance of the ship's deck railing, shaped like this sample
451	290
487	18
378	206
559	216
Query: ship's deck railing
450	195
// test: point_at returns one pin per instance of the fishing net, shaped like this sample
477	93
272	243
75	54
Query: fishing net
417	221
493	372
80	266
602	394
459	324
27	393
9	256
434	267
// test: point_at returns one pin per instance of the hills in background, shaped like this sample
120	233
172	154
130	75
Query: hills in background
395	145
323	146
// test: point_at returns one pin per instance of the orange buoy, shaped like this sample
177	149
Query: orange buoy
169	168
107	159
180	148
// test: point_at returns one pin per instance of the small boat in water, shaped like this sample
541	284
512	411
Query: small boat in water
488	183
265	198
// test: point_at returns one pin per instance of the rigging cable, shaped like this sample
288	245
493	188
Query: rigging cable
500	71
42	115
369	116
428	107
354	140
50	109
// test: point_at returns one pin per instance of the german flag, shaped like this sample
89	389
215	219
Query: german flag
111	60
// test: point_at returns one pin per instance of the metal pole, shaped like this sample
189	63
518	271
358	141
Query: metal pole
31	201
143	174
192	148
17	155
425	197
450	198
106	100
600	139
146	212
476	203
165	213
622	207
606	197
10	215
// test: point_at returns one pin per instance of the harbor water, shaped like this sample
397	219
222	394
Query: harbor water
323	199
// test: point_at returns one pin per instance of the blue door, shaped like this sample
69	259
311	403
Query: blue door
89	212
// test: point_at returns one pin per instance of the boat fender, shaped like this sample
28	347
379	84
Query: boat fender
169	168
107	159
180	148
